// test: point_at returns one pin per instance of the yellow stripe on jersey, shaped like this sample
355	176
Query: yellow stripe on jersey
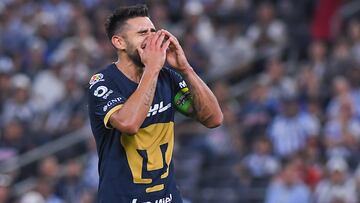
107	116
149	139
155	188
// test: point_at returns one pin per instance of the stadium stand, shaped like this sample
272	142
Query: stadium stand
286	73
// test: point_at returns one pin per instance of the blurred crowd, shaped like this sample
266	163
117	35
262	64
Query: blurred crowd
286	74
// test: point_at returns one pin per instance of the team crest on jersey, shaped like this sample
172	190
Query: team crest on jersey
96	78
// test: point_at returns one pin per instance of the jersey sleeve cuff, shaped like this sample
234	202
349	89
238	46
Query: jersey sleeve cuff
107	116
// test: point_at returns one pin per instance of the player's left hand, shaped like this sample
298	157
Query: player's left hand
175	55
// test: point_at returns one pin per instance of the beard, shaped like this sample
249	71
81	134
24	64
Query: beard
135	57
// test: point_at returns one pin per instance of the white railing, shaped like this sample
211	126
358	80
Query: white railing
45	150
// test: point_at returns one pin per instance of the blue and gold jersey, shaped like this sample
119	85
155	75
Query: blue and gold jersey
135	168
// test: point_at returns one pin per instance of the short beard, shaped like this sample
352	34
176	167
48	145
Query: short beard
134	56
136	59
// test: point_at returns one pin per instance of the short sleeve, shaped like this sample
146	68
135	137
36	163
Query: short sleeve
179	82
182	98
103	98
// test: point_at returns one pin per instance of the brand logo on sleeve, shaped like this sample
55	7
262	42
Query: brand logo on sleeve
95	79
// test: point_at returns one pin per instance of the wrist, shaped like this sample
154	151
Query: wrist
187	70
151	71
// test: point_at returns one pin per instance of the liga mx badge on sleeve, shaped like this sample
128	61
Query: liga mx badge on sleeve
95	79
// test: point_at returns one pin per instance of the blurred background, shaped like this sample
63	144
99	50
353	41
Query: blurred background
286	73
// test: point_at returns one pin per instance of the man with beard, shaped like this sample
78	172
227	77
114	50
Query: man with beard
132	103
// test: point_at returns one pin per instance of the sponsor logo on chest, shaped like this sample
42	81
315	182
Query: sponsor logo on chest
158	108
162	200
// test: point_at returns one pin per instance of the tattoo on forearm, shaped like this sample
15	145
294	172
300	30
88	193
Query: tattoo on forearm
201	107
150	95
197	102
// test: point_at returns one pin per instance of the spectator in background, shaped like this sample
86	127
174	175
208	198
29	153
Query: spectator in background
288	188
313	170
280	85
74	60
292	129
318	60
342	133
201	24
5	85
14	141
338	187
34	61
197	55
62	11
90	174
256	112
44	193
354	36
260	162
159	14
46	80
49	168
309	84
19	105
224	140
70	187
5	190
342	91
341	62
67	115
268	34
231	52
86	42
88	196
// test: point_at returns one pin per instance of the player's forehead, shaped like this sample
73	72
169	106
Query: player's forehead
139	23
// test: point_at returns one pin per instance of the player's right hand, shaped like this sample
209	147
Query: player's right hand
153	53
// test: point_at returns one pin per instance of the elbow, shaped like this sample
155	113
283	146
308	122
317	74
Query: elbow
215	121
130	129
127	127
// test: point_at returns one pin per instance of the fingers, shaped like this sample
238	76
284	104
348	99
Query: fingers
154	39
172	38
168	34
160	39
166	45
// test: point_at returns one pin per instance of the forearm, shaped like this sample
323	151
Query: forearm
134	111
205	104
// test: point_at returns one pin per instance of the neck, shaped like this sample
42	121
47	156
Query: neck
129	69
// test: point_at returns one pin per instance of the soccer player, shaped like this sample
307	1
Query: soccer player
132	103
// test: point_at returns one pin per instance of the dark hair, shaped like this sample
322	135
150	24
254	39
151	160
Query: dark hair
117	19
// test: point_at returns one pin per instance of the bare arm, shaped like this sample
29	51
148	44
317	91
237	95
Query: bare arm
132	114
205	105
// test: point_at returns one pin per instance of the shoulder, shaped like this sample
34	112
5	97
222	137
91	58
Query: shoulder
100	84
100	77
